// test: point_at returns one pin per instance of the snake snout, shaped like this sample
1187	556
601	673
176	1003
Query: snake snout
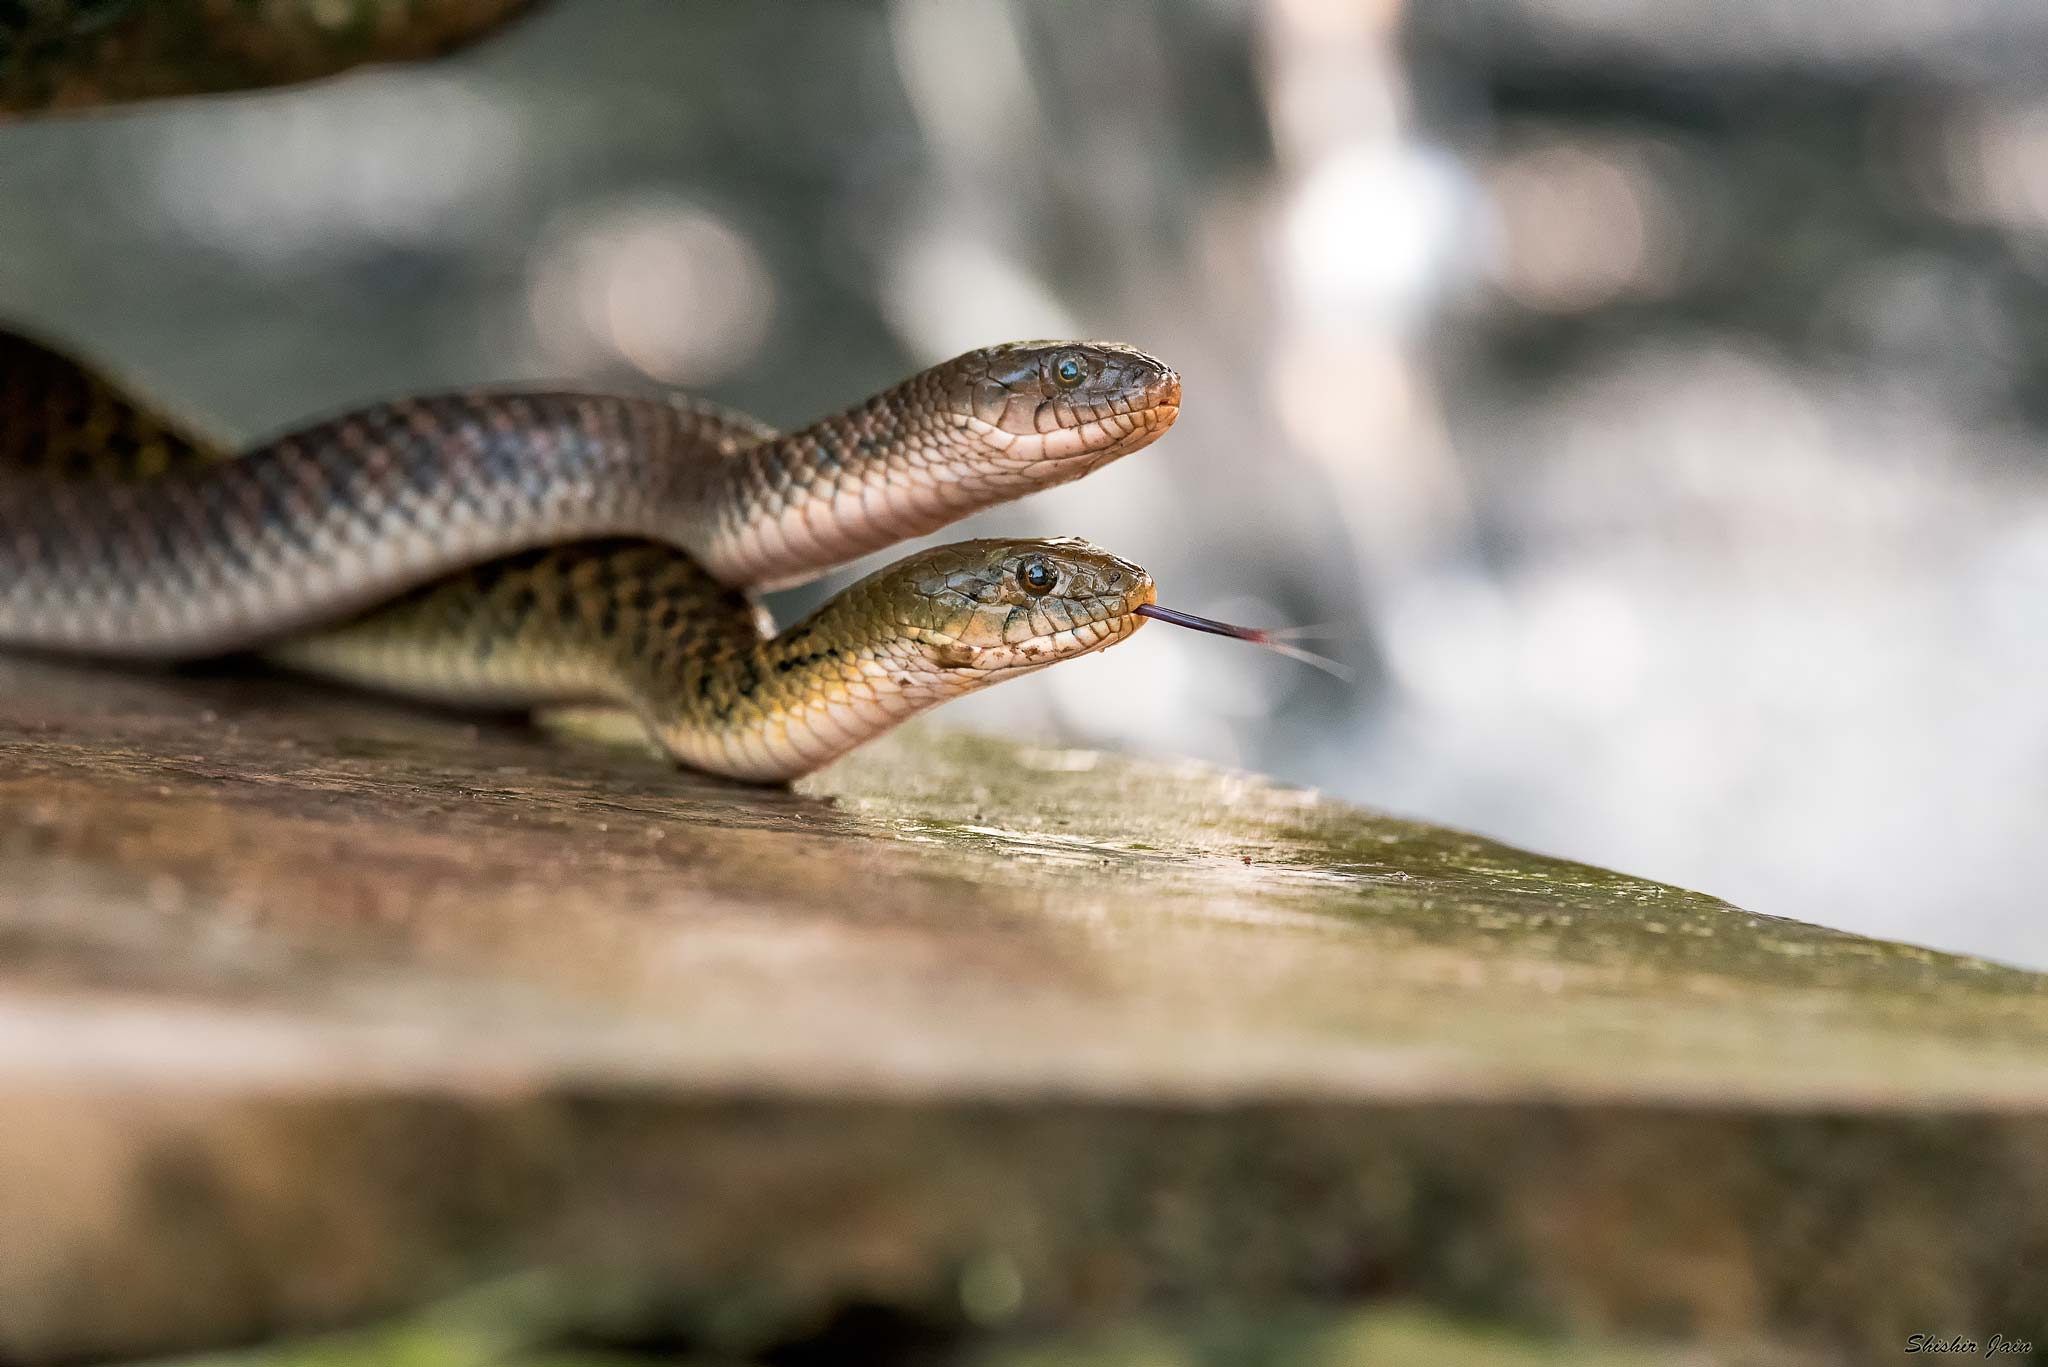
1151	383
1137	587
1123	586
1059	401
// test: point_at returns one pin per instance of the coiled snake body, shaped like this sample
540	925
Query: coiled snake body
540	547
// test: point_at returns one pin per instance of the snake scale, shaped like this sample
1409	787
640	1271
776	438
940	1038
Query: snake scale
529	548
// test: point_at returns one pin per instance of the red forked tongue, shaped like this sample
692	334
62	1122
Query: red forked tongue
1273	638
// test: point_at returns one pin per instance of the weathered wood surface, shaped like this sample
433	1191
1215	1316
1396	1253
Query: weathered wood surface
69	54
311	1008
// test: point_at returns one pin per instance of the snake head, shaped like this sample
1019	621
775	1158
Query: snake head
978	430
1062	409
980	611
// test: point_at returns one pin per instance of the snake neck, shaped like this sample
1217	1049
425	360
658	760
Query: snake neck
635	623
776	708
785	510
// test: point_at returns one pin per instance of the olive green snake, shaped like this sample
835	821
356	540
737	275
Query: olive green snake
537	547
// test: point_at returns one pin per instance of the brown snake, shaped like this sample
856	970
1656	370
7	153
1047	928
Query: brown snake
524	548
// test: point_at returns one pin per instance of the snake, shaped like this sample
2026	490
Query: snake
522	548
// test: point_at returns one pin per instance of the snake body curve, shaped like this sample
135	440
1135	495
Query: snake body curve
535	547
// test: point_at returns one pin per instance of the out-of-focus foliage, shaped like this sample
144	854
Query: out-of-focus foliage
74	53
525	1324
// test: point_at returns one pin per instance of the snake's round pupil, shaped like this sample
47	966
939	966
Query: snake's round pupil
1067	371
1038	576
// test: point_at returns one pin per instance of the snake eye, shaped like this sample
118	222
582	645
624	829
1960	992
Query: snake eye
1037	577
1068	371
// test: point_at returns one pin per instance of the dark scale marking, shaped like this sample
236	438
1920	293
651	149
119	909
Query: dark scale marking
277	520
489	575
527	561
795	662
165	536
222	526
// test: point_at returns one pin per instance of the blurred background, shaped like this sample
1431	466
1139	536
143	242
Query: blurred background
1651	393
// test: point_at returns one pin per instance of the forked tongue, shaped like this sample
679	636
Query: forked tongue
1275	639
